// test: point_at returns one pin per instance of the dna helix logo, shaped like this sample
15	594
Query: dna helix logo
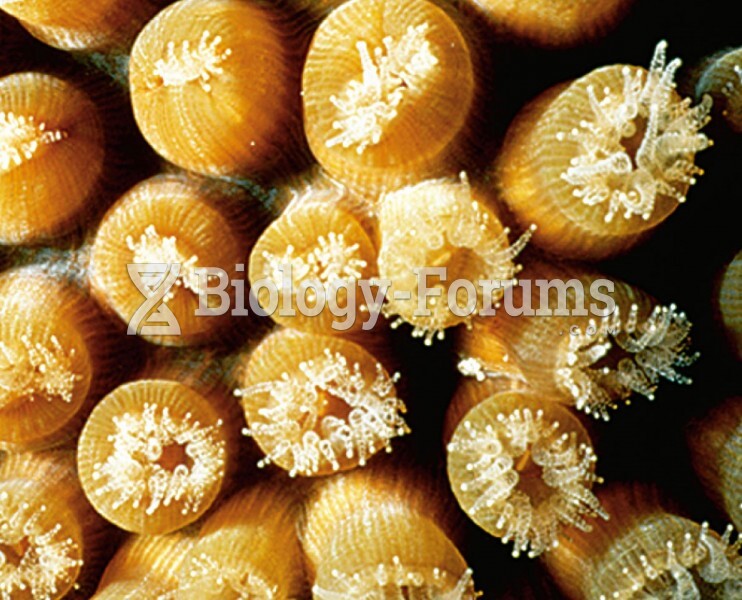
155	281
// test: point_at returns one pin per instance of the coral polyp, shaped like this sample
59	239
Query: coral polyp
21	137
34	368
234	553
108	25
145	566
49	534
196	55
380	533
388	105
151	435
35	555
56	357
185	64
317	404
49	127
598	162
522	468
715	444
567	352
169	230
721	77
655	349
439	233
604	171
692	563
367	108
153	455
153	248
552	23
647	551
315	255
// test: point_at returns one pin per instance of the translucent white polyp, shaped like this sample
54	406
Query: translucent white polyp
427	225
292	423
131	470
50	557
604	171
394	72
483	454
656	347
668	557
